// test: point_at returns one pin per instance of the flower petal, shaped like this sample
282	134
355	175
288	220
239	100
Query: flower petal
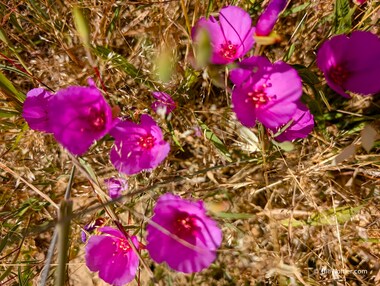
35	109
269	17
245	111
236	25
99	251
81	116
247	67
303	124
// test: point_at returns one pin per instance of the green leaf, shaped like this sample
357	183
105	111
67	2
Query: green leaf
4	240
287	146
6	113
4	37
175	138
289	53
209	8
7	87
329	116
25	127
343	15
371	240
295	9
15	70
328	217
88	168
215	141
234	215
114	20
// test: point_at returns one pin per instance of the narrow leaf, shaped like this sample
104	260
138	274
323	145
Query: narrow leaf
331	216
82	25
5	113
234	215
7	87
215	141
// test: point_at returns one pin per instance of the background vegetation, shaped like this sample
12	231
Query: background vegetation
287	212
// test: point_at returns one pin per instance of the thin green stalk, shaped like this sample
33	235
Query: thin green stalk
65	213
63	240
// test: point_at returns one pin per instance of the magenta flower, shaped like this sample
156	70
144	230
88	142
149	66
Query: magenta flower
138	146
186	220
78	116
302	125
231	38
351	63
35	110
116	186
265	92
163	102
112	255
269	17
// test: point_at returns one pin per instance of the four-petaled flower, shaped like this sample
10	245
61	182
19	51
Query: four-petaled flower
138	146
265	92
112	255
164	102
182	235
231	38
351	63
78	116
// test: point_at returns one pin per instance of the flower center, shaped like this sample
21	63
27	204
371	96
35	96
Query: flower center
185	225
123	245
228	50
97	119
147	141
338	74
259	96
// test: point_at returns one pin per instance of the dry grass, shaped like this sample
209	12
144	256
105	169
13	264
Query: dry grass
286	216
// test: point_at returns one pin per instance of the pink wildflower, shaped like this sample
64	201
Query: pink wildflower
112	255
231	37
186	220
138	146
